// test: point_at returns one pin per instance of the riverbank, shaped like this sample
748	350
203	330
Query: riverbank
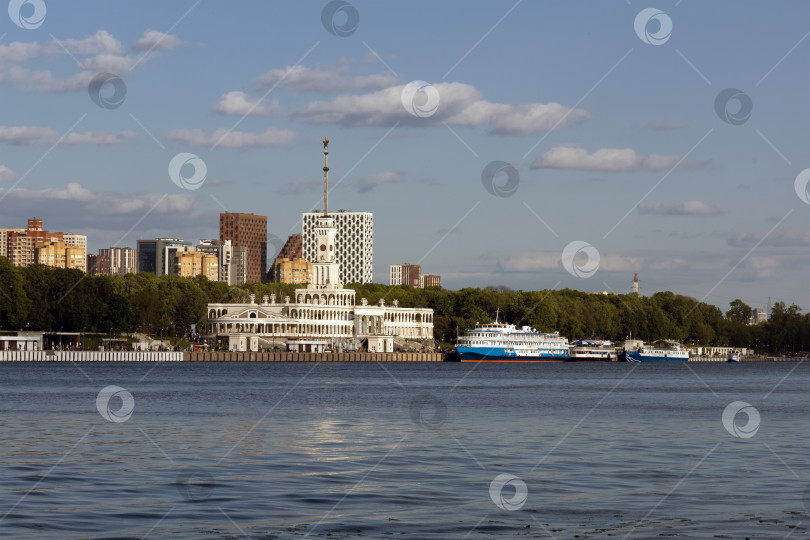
155	356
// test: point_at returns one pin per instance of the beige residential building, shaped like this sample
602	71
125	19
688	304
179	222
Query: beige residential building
60	255
78	241
292	270
194	263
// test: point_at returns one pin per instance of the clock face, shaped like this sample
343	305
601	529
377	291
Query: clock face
323	247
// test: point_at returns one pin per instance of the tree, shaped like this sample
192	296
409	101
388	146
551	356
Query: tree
739	312
14	304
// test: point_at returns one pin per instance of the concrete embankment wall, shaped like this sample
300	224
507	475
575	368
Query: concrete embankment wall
89	356
117	356
312	357
745	359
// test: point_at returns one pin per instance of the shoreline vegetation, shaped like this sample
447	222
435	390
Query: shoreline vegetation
39	298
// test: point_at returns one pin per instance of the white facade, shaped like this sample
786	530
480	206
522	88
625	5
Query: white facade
354	247
395	275
325	310
331	315
75	240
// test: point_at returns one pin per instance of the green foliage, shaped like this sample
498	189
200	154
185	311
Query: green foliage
42	298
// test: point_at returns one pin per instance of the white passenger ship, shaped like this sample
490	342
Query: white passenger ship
499	342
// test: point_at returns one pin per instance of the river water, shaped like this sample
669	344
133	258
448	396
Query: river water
404	450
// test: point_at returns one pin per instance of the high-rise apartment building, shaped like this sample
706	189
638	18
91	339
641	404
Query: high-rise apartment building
250	231
157	256
293	249
19	245
411	274
92	263
354	243
115	261
232	260
405	274
78	241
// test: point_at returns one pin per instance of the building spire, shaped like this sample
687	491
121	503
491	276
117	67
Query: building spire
325	177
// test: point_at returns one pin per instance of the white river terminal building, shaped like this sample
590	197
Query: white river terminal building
322	315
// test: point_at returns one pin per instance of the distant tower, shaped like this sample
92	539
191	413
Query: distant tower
768	313
325	270
635	283
325	177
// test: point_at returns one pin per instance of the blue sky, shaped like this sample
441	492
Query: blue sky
614	135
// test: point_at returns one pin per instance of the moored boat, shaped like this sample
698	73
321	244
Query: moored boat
592	350
500	342
733	356
659	351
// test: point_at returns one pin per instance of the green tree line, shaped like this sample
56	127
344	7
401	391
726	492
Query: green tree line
49	299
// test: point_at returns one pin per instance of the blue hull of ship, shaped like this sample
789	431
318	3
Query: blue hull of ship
469	354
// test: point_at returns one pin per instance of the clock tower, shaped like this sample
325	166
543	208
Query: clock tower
325	270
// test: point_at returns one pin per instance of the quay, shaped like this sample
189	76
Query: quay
161	356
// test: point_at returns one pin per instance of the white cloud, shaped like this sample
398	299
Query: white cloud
782	238
108	203
240	104
460	105
6	174
304	79
605	160
231	139
31	135
367	183
102	42
100	52
688	208
608	262
762	266
152	40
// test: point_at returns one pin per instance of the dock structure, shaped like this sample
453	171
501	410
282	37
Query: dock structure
164	356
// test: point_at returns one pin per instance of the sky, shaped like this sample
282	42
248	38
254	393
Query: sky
528	144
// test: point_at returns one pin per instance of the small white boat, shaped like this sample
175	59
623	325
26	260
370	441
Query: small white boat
660	350
733	356
592	350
